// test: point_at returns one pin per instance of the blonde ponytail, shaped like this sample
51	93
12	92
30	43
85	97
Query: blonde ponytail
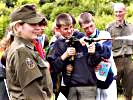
13	26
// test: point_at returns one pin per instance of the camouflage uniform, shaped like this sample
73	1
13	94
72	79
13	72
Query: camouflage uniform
28	77
122	51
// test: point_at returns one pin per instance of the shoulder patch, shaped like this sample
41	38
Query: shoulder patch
30	63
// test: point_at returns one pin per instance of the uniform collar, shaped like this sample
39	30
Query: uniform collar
124	24
27	43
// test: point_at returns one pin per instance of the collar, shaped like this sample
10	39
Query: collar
27	43
125	23
62	37
95	34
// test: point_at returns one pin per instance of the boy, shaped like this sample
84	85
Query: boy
83	80
86	22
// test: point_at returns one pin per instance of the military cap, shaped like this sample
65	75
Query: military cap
27	13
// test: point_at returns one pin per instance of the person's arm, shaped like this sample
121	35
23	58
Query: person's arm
29	75
101	52
106	45
54	58
105	35
57	56
34	91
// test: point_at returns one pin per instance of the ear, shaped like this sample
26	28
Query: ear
57	29
18	27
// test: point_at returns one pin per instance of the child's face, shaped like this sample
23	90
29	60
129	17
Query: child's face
89	28
66	30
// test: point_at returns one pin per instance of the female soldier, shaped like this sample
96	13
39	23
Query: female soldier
28	76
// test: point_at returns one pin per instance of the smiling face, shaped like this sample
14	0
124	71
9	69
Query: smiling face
66	30
40	30
119	12
28	31
64	25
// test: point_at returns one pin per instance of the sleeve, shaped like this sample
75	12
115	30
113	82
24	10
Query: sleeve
103	49
94	60
106	35
33	92
54	58
26	67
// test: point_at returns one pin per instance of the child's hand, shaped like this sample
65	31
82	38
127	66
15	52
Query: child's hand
91	48
69	52
82	41
97	67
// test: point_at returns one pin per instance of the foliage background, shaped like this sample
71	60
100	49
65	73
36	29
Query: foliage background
101	10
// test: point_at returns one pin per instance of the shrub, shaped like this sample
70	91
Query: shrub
47	8
102	21
4	20
104	10
58	10
48	29
22	2
130	10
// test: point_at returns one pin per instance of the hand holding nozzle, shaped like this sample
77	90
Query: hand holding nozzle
91	48
69	52
90	43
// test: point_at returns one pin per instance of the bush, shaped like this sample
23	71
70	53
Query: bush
102	21
22	2
77	10
104	10
130	10
47	8
58	10
4	20
48	29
